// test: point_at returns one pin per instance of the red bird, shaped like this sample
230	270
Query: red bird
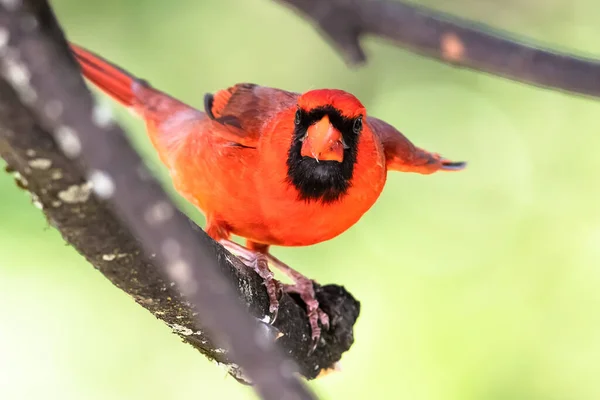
274	167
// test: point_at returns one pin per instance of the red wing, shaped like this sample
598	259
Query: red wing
244	108
402	155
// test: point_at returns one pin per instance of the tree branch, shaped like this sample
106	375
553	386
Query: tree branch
91	185
449	39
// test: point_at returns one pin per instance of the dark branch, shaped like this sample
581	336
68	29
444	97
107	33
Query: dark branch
450	39
79	167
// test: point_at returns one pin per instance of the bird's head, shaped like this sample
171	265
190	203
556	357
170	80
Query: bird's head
327	128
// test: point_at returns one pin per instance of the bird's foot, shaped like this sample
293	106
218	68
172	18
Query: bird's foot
304	287
259	262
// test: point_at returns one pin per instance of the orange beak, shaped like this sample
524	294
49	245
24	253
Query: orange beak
323	142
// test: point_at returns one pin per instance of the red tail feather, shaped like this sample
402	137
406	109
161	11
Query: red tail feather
107	76
169	121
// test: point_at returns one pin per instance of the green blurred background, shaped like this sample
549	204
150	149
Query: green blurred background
475	285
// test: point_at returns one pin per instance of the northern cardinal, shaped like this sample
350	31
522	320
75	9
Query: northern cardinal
272	166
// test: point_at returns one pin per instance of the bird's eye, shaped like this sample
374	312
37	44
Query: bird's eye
297	119
357	125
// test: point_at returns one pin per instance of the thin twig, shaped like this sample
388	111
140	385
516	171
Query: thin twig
449	39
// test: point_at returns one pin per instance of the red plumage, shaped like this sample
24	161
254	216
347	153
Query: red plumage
272	166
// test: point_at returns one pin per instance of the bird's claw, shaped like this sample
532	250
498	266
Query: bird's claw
260	265
304	287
